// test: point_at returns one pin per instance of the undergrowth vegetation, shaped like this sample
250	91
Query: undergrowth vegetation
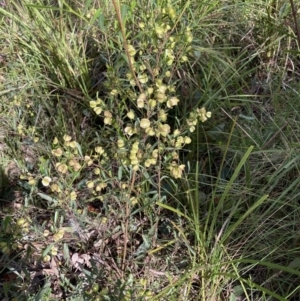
149	150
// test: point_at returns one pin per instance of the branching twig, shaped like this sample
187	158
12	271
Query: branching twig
127	213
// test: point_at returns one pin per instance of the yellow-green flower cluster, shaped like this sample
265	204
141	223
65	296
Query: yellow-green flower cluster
13	230
96	186
141	100
56	188
200	114
170	11
130	130
100	155
143	78
203	114
68	162
152	99
90	12
188	35
176	170
70	146
131	114
121	153
99	187
153	159
131	78
30	132
7	248
161	30
162	115
137	290
22	225
121	144
100	150
97	105
145	123
107	117
160	94
46	181
88	160
135	155
133	200
172	102
59	234
162	130
70	195
131	50
61	167
68	142
73	163
29	177
180	141
169	56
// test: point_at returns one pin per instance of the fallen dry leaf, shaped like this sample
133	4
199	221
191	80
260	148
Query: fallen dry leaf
79	260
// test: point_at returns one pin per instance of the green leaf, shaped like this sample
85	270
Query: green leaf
66	253
120	173
47	198
172	209
47	250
